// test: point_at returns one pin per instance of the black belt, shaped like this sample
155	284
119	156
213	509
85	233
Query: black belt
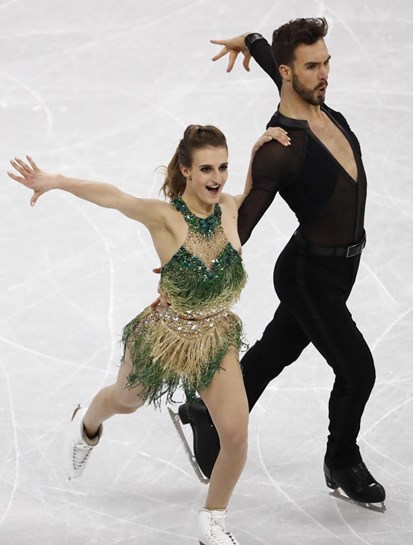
330	251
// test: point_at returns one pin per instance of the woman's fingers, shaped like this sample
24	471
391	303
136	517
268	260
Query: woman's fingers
26	170
23	168
279	134
14	177
273	133
23	165
32	164
16	165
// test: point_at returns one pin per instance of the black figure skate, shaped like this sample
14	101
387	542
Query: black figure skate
358	484
205	437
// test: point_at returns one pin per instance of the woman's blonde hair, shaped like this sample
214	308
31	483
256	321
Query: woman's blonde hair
195	137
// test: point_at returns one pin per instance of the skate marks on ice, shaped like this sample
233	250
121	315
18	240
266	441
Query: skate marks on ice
83	93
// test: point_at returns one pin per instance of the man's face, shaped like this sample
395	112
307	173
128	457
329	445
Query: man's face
310	72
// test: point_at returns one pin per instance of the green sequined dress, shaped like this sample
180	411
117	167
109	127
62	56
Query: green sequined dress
183	344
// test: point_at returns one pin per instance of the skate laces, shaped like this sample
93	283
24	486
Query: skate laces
218	523
81	452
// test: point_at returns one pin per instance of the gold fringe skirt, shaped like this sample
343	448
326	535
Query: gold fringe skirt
169	351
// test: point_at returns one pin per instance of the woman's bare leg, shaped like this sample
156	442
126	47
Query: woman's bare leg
227	404
111	400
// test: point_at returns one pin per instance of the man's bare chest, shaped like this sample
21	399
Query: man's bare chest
337	144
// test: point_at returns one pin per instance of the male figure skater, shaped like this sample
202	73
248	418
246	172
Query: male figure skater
321	177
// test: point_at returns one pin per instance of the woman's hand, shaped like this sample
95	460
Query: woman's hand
273	133
32	177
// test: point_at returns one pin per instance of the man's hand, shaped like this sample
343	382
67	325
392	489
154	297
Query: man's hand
162	299
234	46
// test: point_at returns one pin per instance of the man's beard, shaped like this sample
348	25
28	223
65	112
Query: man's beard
306	93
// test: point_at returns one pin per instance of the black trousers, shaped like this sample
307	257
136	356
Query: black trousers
313	291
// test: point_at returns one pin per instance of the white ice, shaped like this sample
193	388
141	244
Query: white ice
103	89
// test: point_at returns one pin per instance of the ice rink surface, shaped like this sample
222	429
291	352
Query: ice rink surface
103	89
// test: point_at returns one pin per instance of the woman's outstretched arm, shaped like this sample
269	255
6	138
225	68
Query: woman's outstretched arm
27	173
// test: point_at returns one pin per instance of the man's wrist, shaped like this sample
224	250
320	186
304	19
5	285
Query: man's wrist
250	39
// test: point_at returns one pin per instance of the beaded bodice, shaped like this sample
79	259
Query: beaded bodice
206	275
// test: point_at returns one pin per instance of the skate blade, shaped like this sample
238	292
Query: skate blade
192	460
376	507
78	408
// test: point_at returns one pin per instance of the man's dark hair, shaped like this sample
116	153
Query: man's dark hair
287	37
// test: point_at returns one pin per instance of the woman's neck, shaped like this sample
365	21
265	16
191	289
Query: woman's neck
198	207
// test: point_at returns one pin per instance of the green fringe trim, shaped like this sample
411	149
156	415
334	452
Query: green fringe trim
150	375
188	283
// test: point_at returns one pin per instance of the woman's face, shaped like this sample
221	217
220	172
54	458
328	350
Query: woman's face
207	175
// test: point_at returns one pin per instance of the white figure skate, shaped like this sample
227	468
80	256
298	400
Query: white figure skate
78	445
211	528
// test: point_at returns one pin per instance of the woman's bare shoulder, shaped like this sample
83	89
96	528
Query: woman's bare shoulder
227	200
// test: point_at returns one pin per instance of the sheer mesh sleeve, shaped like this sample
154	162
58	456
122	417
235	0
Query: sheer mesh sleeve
342	122
261	52
273	168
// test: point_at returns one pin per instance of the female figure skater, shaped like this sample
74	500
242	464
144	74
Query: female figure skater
194	340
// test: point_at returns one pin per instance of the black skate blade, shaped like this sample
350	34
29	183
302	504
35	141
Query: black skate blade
192	460
376	507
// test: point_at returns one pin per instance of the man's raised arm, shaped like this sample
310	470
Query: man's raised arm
250	44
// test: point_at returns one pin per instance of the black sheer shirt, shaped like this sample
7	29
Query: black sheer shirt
328	203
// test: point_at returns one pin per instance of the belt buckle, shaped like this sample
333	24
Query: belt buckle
355	249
